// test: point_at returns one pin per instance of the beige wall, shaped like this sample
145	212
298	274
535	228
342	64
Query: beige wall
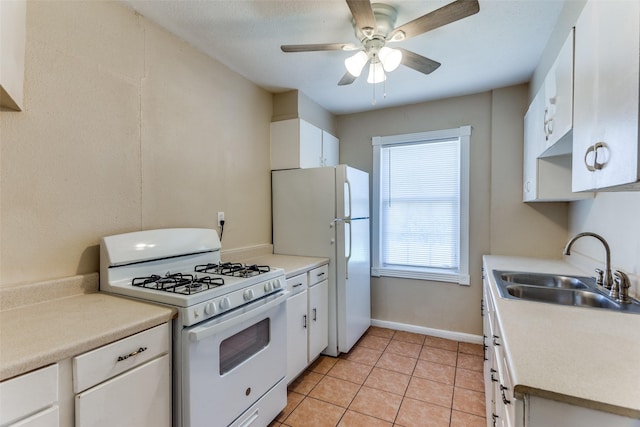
125	128
498	217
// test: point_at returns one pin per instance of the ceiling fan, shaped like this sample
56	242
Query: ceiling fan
374	28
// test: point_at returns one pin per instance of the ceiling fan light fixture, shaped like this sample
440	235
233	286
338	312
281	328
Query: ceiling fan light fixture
356	63
376	73
390	58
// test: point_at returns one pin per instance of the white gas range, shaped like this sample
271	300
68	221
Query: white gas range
230	324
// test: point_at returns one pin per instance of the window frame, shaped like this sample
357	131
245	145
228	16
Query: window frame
461	276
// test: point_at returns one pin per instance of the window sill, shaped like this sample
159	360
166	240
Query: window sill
436	276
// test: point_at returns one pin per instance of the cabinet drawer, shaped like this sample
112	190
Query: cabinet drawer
297	283
318	274
28	393
48	418
105	362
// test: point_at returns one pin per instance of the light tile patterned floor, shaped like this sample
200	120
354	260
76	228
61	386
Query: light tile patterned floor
391	378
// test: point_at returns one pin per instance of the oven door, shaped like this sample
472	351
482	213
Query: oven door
230	361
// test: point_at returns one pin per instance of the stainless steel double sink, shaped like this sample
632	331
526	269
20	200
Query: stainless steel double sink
559	289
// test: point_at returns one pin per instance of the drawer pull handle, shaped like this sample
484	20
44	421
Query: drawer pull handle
504	397
297	285
133	353
320	274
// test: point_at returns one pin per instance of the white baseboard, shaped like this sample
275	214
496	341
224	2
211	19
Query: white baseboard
440	333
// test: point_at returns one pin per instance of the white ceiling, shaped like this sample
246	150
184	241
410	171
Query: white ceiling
499	46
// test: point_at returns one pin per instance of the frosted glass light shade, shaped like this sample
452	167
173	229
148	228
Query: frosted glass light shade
356	63
390	58
376	73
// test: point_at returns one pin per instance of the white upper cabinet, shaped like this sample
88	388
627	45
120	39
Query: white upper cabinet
330	149
558	101
533	144
548	135
605	136
12	45
296	143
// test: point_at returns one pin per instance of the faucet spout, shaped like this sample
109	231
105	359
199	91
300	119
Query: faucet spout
608	278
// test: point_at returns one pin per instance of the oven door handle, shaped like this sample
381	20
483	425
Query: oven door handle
201	332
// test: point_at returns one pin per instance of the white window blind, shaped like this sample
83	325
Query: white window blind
420	213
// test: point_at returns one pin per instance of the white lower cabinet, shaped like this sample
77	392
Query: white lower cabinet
139	397
318	309
30	399
307	319
296	333
126	383
503	409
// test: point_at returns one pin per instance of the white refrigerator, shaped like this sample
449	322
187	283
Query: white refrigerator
324	212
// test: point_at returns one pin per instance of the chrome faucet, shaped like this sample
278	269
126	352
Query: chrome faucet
608	277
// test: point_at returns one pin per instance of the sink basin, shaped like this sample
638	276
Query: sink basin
574	297
559	289
547	280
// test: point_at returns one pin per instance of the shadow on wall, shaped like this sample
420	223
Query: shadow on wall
89	260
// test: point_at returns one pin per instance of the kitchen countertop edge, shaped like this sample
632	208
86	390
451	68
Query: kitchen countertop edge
37	335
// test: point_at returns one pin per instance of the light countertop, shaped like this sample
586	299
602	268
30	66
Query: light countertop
76	319
584	356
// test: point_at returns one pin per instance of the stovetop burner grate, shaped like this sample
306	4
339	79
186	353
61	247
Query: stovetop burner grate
179	283
233	269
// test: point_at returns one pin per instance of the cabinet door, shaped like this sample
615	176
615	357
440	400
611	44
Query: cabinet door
605	136
297	323
330	149
318	319
533	142
558	117
310	145
28	393
139	397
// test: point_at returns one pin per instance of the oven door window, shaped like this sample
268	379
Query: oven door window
243	345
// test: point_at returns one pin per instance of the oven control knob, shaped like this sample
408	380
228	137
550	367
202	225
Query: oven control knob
210	309
225	303
268	287
248	295
277	284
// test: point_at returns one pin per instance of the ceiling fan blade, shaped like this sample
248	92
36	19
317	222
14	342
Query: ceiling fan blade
363	15
318	47
445	15
418	62
347	79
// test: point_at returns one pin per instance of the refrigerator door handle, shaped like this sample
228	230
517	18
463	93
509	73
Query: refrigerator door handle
348	216
348	257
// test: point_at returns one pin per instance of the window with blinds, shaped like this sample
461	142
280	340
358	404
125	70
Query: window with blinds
420	211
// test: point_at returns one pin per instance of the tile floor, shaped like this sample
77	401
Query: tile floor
391	378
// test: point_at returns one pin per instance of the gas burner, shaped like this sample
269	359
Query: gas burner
178	283
233	269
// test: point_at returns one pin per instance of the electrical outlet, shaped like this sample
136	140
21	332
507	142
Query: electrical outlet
220	218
